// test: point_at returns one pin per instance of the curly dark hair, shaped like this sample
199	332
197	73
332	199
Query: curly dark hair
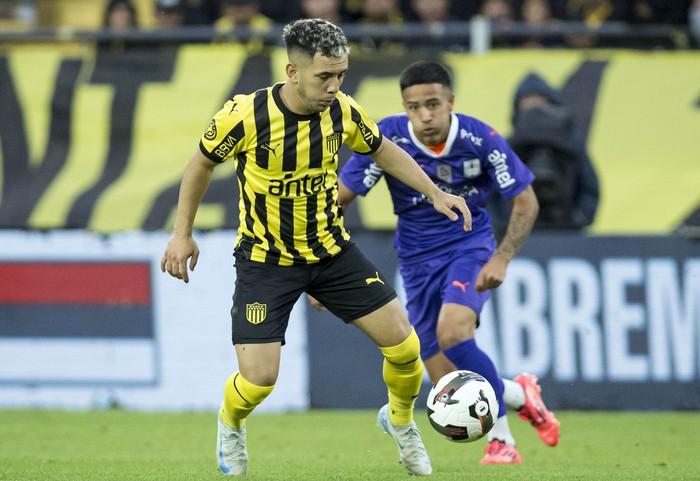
311	35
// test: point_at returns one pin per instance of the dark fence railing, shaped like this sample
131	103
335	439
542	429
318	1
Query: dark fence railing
478	35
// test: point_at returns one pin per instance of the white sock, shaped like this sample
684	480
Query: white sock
513	394
501	431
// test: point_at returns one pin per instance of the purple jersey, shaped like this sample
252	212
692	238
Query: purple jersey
475	162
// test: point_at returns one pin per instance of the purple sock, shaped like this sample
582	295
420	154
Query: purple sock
467	356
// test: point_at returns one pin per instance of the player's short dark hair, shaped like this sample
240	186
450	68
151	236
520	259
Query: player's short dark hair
425	72
311	35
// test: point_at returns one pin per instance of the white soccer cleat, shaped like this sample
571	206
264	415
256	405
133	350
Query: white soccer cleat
231	452
412	453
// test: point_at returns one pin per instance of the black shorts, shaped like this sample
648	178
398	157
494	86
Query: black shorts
348	285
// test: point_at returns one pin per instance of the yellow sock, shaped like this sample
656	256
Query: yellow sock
403	374
240	398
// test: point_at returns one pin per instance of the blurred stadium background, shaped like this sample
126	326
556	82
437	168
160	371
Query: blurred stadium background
97	124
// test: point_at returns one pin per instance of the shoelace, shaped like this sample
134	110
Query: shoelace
411	439
234	440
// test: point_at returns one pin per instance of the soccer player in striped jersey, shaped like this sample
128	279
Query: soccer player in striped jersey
285	140
447	273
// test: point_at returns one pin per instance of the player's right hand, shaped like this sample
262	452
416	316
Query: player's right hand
179	250
447	204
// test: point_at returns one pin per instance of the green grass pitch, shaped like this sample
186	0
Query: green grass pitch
335	445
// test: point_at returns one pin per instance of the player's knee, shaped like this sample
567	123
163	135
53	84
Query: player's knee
405	352
240	392
452	331
261	377
448	338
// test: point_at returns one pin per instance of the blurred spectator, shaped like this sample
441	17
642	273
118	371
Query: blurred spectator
434	14
538	14
500	12
593	13
433	11
238	13
244	13
120	15
694	20
660	11
200	12
547	140
170	13
280	11
465	10
17	14
501	15
663	12
381	12
7	9
326	9
352	9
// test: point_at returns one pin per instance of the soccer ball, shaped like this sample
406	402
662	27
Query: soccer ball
462	406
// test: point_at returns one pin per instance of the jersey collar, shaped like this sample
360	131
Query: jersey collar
451	136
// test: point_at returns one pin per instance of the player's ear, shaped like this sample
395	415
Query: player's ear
292	72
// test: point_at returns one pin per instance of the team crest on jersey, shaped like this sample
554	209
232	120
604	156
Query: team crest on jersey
333	143
210	134
444	173
471	168
255	312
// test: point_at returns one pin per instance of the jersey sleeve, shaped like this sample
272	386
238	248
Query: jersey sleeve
360	174
224	134
364	136
508	173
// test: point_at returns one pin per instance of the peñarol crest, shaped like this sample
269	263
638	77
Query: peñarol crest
333	142
256	312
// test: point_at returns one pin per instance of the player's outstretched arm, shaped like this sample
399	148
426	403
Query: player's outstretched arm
522	218
396	162
182	246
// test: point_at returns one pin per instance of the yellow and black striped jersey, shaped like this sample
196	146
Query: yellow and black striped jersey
287	170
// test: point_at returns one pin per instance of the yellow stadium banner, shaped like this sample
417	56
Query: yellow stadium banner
97	139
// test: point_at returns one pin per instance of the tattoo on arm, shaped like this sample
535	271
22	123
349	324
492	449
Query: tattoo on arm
519	227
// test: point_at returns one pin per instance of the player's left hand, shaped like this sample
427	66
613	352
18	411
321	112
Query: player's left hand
492	274
447	204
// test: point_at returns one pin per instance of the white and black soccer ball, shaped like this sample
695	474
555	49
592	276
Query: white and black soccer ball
462	406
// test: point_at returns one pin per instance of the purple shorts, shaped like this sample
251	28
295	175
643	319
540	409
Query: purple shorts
432	283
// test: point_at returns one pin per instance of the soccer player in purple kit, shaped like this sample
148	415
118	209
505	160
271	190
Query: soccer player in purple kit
447	272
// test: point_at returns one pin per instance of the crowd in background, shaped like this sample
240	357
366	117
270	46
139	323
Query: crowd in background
259	14
592	12
229	16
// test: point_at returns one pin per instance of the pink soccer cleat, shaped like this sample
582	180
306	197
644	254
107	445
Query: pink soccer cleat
498	452
535	412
